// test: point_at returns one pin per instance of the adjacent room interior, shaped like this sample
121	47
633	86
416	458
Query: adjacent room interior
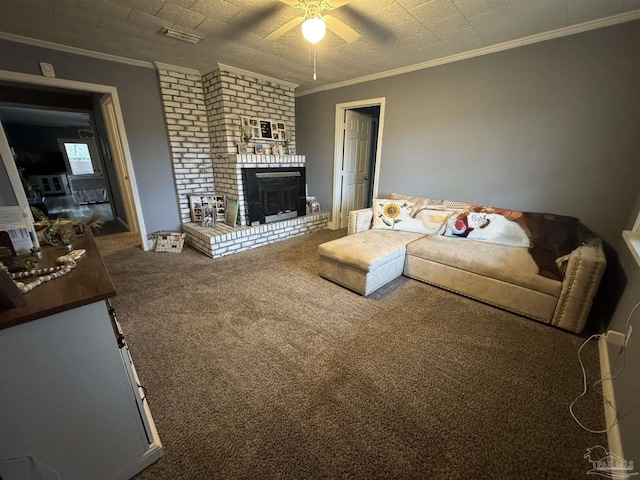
341	238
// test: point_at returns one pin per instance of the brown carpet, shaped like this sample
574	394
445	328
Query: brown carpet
256	367
112	243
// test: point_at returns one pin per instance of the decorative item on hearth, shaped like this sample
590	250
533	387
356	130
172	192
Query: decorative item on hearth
242	148
275	149
208	216
197	201
313	206
259	150
231	211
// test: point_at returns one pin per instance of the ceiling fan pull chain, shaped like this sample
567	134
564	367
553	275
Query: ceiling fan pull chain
314	63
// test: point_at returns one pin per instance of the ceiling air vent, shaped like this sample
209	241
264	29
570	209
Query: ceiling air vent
184	36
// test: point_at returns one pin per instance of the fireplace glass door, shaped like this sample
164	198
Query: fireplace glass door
280	200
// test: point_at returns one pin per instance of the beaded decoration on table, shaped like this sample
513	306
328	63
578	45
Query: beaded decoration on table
44	275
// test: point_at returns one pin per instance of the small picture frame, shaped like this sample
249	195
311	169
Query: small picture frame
265	129
259	149
231	211
242	148
208	216
275	149
197	201
292	149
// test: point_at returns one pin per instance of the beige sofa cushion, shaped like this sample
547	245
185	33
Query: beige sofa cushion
368	250
508	264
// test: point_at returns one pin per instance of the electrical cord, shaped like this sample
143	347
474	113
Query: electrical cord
627	336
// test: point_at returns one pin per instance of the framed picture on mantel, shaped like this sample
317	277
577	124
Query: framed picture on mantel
254	128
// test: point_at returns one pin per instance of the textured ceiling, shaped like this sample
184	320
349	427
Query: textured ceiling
395	33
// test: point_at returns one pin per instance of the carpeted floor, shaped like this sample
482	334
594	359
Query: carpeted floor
112	243
255	367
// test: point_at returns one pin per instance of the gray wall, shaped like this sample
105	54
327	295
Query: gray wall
141	104
547	127
550	127
627	387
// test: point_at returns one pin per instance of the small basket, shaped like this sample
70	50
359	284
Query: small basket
171	242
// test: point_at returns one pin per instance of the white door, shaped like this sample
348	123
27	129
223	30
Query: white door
117	154
355	163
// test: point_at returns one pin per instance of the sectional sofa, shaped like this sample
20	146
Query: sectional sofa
541	266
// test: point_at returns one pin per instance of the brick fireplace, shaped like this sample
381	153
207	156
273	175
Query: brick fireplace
204	121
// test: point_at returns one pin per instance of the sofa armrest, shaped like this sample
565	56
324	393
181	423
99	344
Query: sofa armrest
360	220
585	267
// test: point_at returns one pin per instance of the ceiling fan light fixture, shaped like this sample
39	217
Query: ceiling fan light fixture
314	29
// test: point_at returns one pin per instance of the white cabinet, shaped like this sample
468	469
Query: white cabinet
70	397
50	184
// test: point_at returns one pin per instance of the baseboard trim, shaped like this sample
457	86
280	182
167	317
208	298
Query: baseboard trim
608	343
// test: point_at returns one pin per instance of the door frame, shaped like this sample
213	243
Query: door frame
108	90
341	108
118	157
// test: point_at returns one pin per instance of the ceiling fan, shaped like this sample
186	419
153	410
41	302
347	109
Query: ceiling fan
315	22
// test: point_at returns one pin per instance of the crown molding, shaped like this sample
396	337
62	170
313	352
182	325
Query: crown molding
175	68
240	71
540	37
77	51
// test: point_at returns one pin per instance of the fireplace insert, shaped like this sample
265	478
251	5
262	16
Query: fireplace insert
274	194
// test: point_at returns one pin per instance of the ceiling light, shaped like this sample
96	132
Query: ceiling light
184	36
313	29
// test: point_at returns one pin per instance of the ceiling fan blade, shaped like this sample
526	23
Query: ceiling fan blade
373	29
337	3
284	28
341	29
241	24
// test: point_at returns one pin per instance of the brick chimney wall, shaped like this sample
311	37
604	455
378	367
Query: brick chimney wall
203	116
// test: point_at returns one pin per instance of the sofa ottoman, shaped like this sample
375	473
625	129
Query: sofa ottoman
366	261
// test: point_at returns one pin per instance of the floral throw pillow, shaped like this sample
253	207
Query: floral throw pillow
389	214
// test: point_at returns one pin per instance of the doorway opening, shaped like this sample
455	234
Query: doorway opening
358	146
59	164
103	145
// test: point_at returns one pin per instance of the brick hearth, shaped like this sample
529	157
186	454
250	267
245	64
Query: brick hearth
223	240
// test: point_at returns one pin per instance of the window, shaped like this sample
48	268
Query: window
79	158
80	155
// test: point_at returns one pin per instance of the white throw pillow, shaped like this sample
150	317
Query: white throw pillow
501	231
427	220
389	214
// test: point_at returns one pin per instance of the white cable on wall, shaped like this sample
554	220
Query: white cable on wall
627	336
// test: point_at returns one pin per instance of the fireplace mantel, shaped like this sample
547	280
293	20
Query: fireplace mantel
276	160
